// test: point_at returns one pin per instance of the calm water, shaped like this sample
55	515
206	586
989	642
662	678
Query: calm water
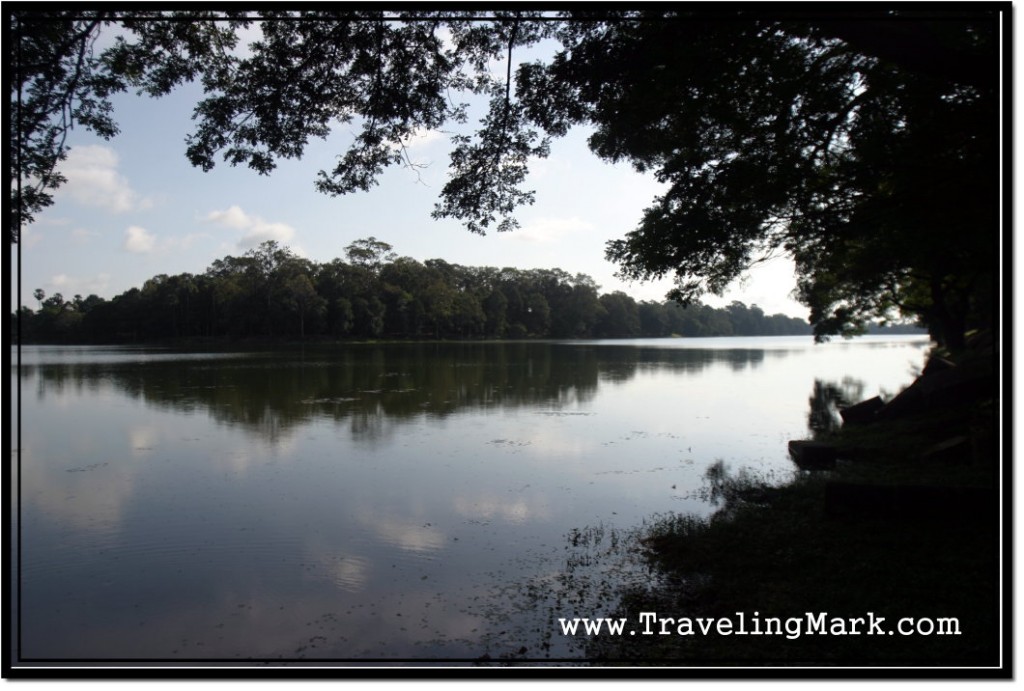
388	503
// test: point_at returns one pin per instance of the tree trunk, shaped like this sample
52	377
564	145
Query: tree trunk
950	322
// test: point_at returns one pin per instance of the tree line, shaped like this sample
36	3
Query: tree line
271	293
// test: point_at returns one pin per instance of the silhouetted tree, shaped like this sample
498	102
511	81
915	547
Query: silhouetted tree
370	253
620	318
495	312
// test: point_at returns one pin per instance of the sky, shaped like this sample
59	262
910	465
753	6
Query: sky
134	207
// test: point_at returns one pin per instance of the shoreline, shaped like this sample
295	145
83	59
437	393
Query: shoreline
920	528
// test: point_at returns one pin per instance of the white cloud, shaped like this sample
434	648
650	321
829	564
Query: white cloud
139	240
70	285
256	229
547	230
232	217
93	180
266	231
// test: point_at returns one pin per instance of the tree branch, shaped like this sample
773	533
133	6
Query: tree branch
915	46
508	73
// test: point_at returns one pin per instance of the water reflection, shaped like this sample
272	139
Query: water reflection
827	399
371	388
371	501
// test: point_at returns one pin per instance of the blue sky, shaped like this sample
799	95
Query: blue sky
134	207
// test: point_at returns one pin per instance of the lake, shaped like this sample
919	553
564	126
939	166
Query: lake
383	503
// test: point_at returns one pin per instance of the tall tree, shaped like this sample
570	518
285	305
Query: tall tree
370	253
780	136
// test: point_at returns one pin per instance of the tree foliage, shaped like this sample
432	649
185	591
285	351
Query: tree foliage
862	142
875	176
60	81
269	292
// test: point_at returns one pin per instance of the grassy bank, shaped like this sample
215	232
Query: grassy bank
783	552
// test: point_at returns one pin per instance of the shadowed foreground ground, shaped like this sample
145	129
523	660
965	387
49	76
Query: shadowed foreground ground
897	529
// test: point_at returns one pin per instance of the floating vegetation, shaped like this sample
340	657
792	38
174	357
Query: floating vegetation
725	490
86	468
335	399
508	442
597	563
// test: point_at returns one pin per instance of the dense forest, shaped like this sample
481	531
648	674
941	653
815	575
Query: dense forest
271	293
